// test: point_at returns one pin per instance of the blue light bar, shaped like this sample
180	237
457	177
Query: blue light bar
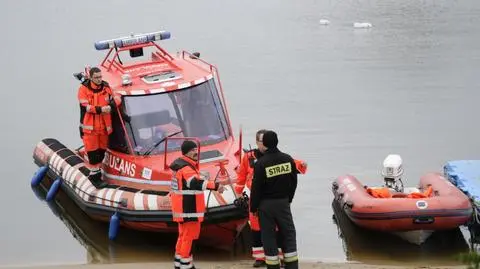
131	40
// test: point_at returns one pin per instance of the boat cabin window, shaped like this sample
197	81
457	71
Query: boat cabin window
117	140
192	112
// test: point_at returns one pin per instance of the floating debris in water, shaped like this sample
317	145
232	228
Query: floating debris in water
324	22
362	25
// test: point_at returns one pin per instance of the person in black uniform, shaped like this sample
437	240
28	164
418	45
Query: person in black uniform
273	188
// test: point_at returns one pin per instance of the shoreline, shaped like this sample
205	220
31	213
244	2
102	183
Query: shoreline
242	264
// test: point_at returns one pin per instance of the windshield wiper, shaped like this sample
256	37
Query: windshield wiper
160	142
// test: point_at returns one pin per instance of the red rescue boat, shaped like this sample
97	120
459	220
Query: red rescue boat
435	204
165	100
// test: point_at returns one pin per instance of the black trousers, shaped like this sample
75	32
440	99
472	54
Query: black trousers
96	156
274	213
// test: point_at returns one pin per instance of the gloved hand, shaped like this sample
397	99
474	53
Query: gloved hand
106	109
301	166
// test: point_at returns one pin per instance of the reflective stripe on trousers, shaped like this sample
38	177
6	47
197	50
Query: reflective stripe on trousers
290	257
187	192
188	215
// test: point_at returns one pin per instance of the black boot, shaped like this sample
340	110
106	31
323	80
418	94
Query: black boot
97	181
259	263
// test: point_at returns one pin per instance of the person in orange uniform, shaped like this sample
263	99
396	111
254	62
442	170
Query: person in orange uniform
244	179
96	103
188	202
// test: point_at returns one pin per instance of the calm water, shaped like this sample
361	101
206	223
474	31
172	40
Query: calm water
340	98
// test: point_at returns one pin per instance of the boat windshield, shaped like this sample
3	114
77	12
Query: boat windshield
192	112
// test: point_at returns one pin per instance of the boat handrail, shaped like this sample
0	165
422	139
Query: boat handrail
160	53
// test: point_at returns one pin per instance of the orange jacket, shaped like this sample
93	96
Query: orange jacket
385	193
379	192
427	193
188	200
245	170
92	98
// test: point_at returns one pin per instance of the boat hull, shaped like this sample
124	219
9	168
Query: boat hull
135	208
448	208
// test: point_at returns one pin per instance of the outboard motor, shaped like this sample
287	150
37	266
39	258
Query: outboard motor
392	172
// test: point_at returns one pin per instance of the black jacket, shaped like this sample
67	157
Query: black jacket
274	177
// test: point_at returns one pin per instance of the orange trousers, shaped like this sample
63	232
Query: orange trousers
93	142
253	221
187	232
95	146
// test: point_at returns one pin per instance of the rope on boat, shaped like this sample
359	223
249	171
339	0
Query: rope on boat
90	195
75	187
216	179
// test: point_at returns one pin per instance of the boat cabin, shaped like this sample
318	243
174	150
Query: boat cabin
165	100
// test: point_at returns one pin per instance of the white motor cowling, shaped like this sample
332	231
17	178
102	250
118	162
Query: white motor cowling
392	172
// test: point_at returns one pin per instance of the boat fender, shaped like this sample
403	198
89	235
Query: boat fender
39	175
114	226
53	189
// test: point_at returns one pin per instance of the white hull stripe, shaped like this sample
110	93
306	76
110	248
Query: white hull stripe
157	90
138	201
136	180
65	173
69	174
117	197
53	158
58	165
198	81
62	164
108	197
137	92
81	184
99	195
152	202
184	85
88	192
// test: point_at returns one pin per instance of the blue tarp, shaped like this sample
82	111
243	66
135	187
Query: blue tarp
465	174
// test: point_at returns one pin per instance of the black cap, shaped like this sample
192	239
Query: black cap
270	139
188	145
